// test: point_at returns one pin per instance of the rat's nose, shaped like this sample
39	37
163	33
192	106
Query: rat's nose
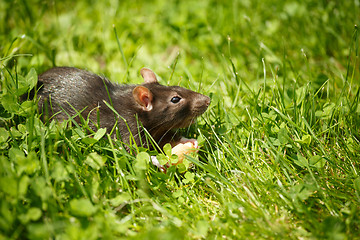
204	100
207	100
200	104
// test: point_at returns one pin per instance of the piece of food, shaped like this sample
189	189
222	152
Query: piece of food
183	149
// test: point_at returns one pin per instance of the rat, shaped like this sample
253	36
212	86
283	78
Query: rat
69	91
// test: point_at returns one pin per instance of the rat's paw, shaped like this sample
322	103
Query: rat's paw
156	162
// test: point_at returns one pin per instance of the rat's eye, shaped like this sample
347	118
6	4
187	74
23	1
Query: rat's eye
175	99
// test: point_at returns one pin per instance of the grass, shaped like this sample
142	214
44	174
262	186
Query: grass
280	141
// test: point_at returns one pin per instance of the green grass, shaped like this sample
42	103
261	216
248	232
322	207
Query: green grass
280	141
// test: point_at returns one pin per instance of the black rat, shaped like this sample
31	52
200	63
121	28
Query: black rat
160	109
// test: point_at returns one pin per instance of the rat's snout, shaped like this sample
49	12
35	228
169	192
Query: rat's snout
204	100
207	100
200	104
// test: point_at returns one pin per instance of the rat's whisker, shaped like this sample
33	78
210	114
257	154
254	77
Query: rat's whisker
167	133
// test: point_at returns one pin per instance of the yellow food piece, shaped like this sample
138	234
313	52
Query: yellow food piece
181	149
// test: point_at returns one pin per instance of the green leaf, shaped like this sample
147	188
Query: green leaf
95	161
189	177
31	78
119	199
326	112
82	207
7	217
317	161
201	140
174	159
350	144
22	129
271	115
162	159
305	139
21	87
4	135
88	140
59	173
33	214
15	133
39	230
23	218
202	227
300	94
301	161
301	192
4	145
9	186
142	161
177	194
26	108
10	103
16	154
41	188
181	200
22	84
79	132
275	141
167	149
23	185
181	167
283	136
30	164
100	133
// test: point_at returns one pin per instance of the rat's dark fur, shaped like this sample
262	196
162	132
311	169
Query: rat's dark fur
67	88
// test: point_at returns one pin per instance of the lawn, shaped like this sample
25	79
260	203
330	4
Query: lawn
280	142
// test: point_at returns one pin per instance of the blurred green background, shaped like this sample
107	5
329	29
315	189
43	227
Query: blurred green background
280	140
205	33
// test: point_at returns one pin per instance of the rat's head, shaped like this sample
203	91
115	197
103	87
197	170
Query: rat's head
167	107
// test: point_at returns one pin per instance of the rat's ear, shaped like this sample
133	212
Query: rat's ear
143	97
148	75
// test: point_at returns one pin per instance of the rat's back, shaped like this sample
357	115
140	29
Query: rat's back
68	88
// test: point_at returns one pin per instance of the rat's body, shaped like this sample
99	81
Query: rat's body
159	108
